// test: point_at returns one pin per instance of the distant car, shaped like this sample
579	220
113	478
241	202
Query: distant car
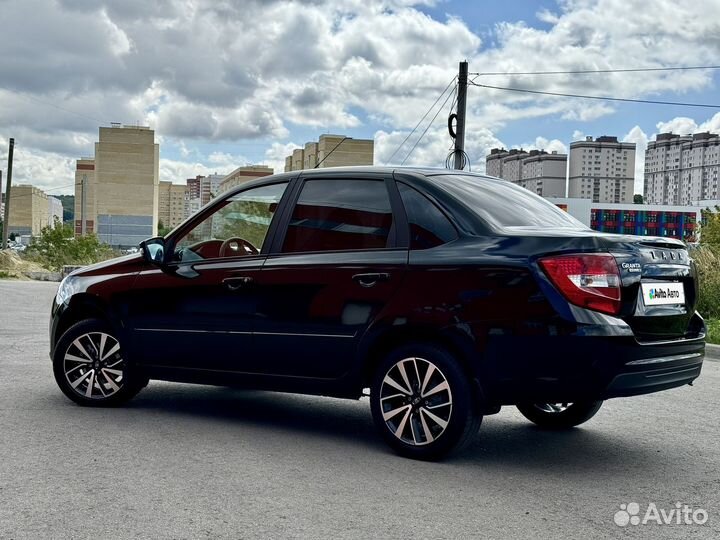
447	294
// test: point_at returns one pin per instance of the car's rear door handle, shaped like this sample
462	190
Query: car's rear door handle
235	283
368	280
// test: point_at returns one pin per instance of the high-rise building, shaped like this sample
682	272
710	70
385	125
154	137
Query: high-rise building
116	192
332	151
171	204
602	170
210	187
682	169
244	174
55	210
28	210
538	171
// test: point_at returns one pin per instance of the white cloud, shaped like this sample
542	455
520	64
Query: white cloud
208	71
638	136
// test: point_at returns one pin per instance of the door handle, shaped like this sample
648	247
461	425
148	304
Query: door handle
368	280
236	283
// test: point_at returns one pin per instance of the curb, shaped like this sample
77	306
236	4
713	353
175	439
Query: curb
712	352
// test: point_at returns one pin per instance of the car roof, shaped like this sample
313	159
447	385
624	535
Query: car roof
344	173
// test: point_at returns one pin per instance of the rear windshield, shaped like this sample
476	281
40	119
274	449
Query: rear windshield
505	205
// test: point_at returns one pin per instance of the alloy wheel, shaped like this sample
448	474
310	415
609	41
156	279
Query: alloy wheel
416	401
93	365
553	408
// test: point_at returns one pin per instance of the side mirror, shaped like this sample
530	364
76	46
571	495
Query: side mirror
154	250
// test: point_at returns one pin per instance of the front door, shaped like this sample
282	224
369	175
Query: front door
329	275
198	311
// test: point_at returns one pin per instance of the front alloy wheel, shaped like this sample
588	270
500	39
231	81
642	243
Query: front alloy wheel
93	365
422	403
91	368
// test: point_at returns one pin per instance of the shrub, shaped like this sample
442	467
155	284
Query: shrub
707	259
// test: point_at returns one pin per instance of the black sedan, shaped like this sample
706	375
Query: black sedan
447	294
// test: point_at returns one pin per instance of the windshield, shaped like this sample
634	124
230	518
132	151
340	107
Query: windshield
505	205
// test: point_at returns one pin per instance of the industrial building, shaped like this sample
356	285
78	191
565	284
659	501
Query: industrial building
116	191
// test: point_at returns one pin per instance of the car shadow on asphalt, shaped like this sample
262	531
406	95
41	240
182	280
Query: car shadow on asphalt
504	440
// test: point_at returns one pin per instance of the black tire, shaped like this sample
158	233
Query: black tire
420	436
573	414
85	377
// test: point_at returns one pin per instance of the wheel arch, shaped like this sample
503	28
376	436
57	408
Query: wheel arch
382	343
82	306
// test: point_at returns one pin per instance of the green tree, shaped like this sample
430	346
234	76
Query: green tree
637	199
57	246
710	230
162	229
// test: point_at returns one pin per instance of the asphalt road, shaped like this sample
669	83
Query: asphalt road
184	461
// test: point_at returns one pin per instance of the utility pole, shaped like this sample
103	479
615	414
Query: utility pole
83	207
460	129
6	218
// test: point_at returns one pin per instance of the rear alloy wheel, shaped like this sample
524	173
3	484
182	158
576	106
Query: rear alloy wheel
422	403
90	366
559	415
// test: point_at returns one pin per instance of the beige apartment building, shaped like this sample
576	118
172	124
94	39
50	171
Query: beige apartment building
538	171
171	204
29	210
244	174
332	151
116	191
682	169
602	170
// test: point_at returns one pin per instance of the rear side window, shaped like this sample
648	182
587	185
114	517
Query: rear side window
505	205
339	215
428	225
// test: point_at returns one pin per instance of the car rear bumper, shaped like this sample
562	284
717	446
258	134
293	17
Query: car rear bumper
574	368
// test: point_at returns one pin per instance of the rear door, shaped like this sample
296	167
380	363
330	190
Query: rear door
334	266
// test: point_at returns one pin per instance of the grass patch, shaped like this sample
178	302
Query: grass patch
713	334
6	275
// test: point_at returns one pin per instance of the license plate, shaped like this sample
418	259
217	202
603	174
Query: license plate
659	294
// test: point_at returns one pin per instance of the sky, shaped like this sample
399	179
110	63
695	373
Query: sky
229	83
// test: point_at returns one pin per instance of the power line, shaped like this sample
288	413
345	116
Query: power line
428	127
421	120
602	98
593	71
48	104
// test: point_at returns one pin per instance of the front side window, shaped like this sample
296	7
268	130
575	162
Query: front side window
340	215
238	227
428	225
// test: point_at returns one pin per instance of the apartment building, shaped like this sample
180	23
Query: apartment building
116	191
29	210
602	170
682	169
332	151
171	204
538	171
244	174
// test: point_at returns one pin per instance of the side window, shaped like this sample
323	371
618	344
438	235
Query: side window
339	215
237	227
428	225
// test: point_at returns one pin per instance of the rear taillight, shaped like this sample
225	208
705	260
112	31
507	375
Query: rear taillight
591	280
